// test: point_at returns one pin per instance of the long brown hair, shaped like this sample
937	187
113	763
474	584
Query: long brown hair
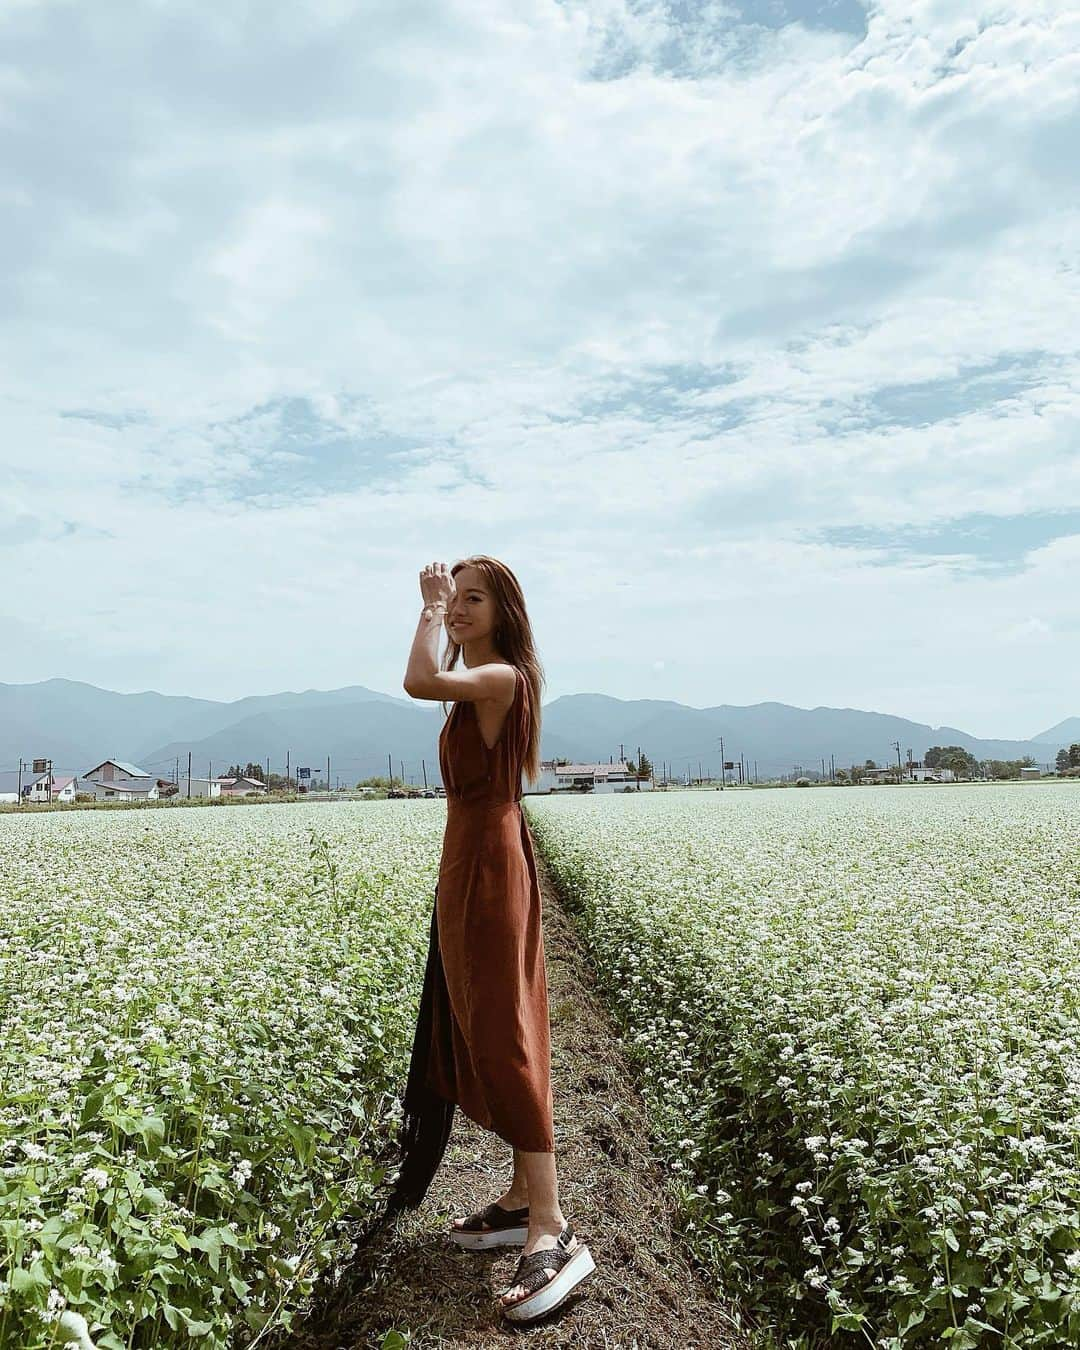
513	640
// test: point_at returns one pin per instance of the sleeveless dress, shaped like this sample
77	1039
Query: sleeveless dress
482	1036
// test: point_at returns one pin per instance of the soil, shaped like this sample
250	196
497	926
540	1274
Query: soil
645	1294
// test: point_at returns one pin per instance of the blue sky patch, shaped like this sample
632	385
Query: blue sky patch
992	545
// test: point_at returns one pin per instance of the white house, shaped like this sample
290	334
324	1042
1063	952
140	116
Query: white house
35	787
64	788
597	779
240	787
200	787
919	773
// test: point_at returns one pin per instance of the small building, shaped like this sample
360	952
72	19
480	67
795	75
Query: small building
919	773
126	790
240	787
64	787
200	787
1030	771
598	779
117	780
35	786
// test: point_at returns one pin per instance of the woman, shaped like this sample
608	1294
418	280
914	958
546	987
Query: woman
482	1036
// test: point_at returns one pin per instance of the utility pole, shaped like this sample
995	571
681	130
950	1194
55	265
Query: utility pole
268	773
189	775
288	768
390	770
899	766
328	775
723	771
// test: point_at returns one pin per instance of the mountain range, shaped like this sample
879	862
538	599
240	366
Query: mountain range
78	725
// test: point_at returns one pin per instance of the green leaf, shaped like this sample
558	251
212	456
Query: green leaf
23	1281
92	1106
209	1241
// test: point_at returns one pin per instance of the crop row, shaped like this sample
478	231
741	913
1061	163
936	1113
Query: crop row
201	1034
856	1018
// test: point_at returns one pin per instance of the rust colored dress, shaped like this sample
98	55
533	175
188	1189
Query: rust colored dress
482	1036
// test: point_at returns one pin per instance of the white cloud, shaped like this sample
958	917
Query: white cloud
642	322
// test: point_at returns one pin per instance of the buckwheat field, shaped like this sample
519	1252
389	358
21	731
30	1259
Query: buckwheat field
202	1017
854	1014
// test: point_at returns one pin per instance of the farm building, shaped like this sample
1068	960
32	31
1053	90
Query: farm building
115	779
594	778
240	787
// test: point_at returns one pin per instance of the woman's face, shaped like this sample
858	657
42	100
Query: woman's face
471	612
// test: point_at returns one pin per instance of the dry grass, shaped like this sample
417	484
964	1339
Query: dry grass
644	1292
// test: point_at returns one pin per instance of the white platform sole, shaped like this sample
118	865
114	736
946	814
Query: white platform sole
560	1287
501	1237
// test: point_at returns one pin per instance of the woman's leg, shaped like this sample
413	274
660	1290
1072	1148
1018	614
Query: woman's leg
546	1219
517	1194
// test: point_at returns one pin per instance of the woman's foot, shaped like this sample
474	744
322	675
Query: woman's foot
542	1237
504	1222
548	1271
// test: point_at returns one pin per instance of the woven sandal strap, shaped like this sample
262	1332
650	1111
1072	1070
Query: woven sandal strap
551	1258
537	1276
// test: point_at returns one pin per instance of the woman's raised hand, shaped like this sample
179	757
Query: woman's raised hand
436	584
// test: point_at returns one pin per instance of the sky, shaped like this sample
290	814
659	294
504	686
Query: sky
746	334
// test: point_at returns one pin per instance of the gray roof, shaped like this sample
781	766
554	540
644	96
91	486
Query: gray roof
123	784
123	764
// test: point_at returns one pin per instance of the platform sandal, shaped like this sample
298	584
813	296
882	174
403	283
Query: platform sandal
548	1277
492	1226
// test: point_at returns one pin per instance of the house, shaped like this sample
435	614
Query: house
598	779
35	786
130	790
117	780
918	773
64	788
1030	771
200	787
240	787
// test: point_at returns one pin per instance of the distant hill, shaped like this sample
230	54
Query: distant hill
79	725
1065	733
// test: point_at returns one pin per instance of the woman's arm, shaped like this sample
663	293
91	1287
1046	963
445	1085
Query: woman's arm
423	678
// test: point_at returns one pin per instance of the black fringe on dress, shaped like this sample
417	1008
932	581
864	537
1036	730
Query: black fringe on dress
427	1120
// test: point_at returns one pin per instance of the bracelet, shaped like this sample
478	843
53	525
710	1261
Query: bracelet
428	610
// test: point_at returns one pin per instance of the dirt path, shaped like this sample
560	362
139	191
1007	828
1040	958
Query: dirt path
643	1293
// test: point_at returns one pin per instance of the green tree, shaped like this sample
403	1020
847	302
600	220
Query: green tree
1062	761
1074	755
